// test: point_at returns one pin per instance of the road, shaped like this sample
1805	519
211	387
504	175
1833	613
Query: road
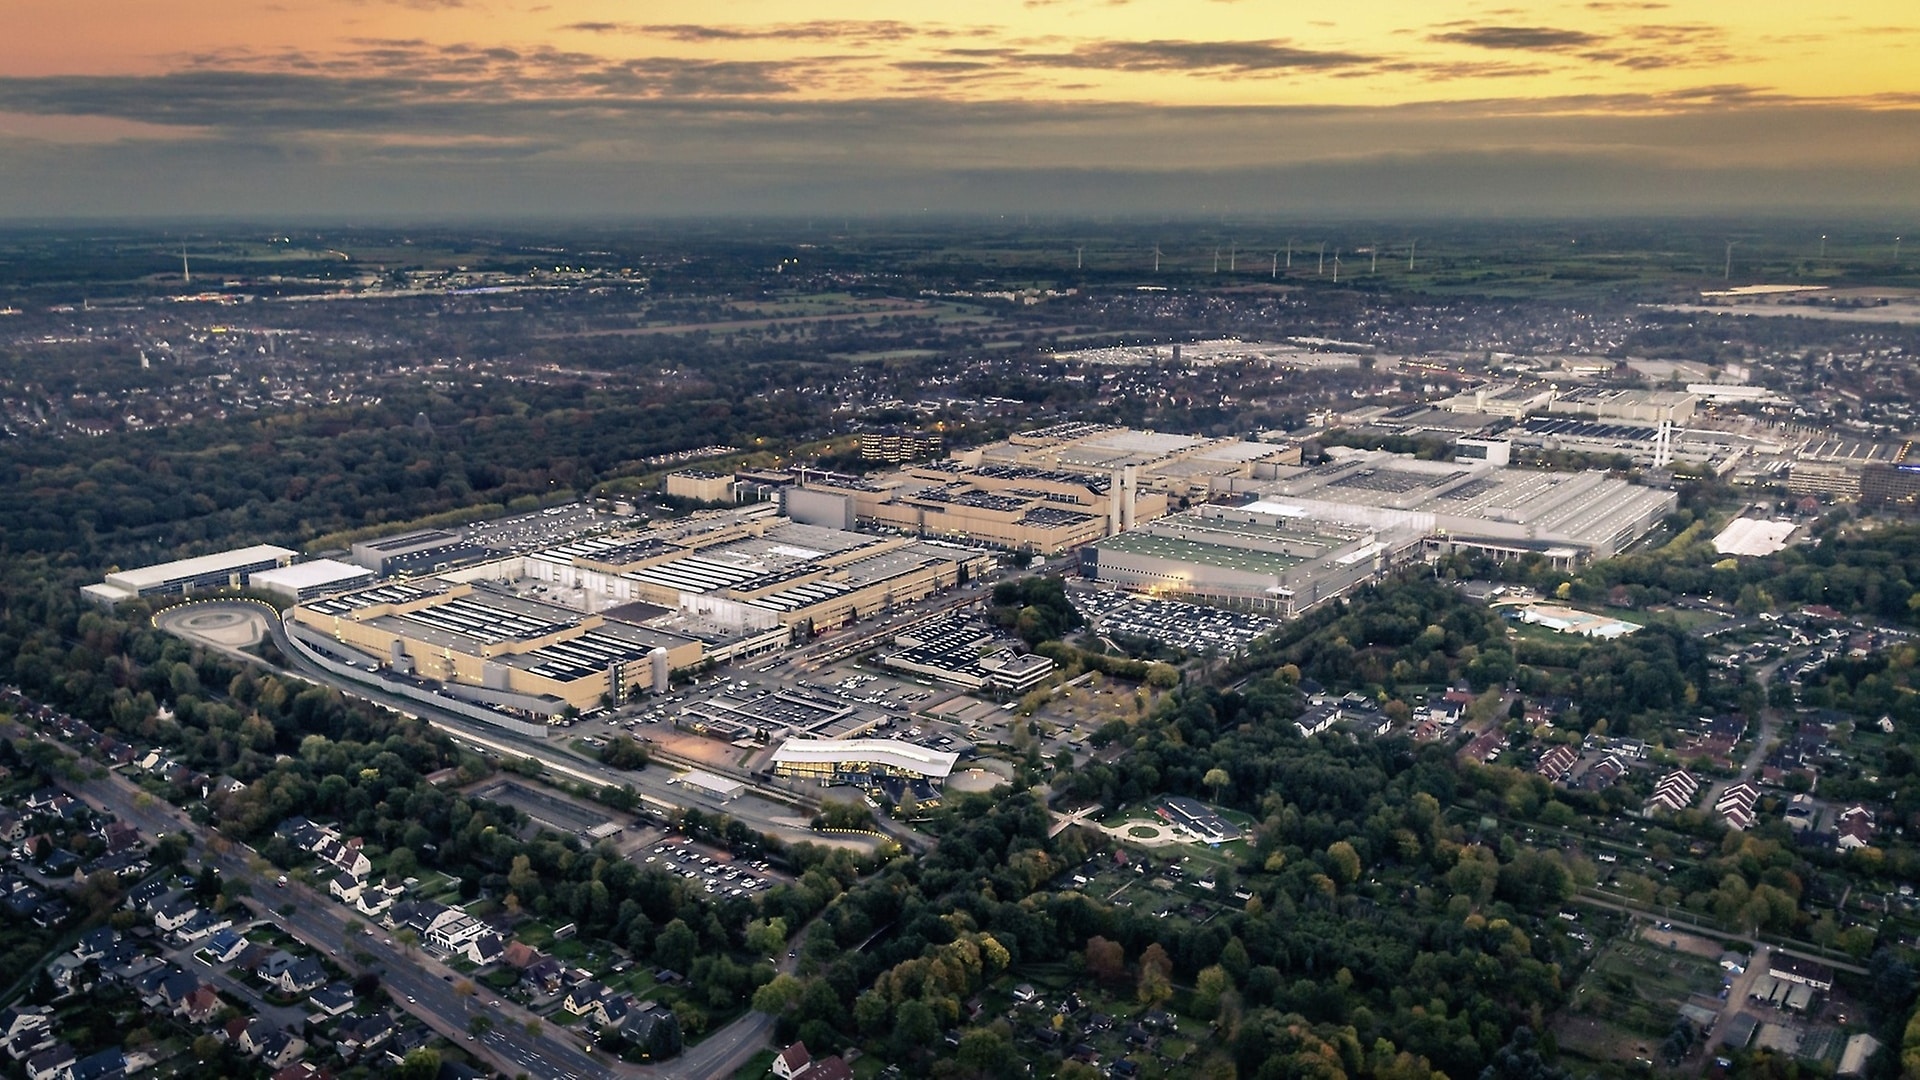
420	984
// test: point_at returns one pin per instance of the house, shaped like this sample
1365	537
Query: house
655	1027
520	955
273	966
829	1068
203	924
357	1036
1024	993
1735	806
485	949
278	1049
1674	793
94	943
174	914
346	888
172	989
1855	828
224	945
332	999
581	999
199	1006
792	1061
1793	969
26	1030
407	1040
1556	763
612	1010
545	975
305	976
250	1035
98	1066
53	1064
145	895
302	1070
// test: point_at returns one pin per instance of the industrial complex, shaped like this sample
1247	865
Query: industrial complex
542	618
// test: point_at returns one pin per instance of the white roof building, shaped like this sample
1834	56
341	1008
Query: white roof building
221	569
809	757
304	581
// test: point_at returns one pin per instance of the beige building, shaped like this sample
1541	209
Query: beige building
495	647
700	486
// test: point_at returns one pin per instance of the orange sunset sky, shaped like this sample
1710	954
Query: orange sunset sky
627	107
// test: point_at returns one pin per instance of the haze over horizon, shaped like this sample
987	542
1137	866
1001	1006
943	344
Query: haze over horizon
498	108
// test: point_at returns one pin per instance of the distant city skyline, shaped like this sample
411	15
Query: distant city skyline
441	108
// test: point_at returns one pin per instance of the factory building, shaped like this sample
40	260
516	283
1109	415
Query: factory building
221	570
898	445
700	485
1570	518
424	551
746	572
1046	491
1634	406
304	581
1262	556
488	645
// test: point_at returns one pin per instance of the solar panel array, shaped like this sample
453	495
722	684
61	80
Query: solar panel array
589	654
482	621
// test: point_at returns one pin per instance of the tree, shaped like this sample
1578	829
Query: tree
1345	862
422	1063
1106	960
675	946
1216	781
1156	975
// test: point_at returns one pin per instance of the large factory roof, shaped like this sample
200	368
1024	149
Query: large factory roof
1199	552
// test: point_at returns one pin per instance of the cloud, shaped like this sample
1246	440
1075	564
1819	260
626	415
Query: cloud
1519	37
1241	57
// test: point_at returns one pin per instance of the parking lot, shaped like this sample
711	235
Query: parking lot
1194	629
537	529
716	872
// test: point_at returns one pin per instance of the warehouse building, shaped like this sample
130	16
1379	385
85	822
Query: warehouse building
488	645
748	571
1261	556
861	761
422	551
304	581
960	652
1570	518
221	570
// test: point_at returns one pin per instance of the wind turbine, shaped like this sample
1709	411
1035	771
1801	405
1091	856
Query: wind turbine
1233	258
1896	249
1321	270
1276	266
186	272
1374	266
1726	274
1411	244
1336	266
1823	245
1078	263
1156	258
1289	253
1216	260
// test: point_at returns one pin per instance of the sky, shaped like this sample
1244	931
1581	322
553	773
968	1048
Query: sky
443	109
